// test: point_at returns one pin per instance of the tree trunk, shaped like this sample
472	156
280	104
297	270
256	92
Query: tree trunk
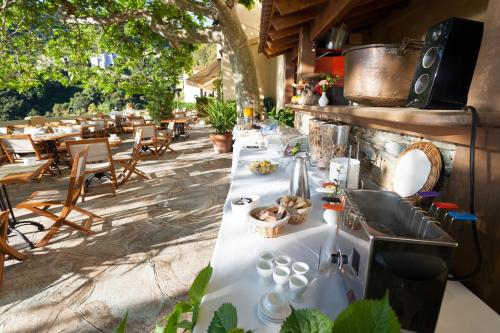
240	56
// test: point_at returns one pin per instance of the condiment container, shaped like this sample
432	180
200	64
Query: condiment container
332	213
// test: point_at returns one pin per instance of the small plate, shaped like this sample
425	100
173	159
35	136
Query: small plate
274	316
325	190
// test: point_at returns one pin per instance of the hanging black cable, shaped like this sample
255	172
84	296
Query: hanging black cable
472	199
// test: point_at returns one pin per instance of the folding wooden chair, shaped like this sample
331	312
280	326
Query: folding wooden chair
129	161
41	201
19	145
164	139
6	249
149	141
99	161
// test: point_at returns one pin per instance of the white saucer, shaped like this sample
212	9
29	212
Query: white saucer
325	190
273	316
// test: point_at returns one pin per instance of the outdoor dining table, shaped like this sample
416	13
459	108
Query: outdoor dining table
49	141
15	173
179	126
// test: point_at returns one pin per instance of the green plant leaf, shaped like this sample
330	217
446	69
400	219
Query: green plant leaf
199	285
224	320
368	316
307	321
174	318
123	324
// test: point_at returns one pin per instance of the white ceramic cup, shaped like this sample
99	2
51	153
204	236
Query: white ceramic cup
113	136
298	285
265	269
281	275
274	302
283	260
266	256
300	267
244	210
29	161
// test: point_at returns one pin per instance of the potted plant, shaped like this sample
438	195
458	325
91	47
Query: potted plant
221	116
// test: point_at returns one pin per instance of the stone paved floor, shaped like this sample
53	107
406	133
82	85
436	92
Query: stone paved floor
157	235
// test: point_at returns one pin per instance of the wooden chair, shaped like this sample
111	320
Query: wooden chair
6	249
41	201
133	123
99	161
149	140
18	145
129	161
164	139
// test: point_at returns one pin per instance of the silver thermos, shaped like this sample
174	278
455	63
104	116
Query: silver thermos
299	184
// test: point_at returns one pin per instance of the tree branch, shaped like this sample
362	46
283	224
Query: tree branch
208	35
108	20
193	6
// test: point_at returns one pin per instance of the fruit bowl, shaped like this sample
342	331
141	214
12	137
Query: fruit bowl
264	167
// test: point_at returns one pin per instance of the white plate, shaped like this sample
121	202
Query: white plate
412	171
325	190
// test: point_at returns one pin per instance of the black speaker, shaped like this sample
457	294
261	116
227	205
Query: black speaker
444	72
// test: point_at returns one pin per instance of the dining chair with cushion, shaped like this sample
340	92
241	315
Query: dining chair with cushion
128	161
99	162
149	140
20	145
39	202
5	248
133	123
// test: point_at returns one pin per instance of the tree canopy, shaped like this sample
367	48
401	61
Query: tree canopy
43	40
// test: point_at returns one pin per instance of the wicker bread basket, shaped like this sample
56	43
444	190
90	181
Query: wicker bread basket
266	229
297	216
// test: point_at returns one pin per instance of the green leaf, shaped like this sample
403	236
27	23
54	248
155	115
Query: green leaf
225	319
307	321
368	316
123	324
236	330
174	318
199	285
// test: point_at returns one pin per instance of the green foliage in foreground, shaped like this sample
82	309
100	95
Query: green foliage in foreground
222	116
366	316
283	116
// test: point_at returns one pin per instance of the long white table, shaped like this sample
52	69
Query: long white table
235	279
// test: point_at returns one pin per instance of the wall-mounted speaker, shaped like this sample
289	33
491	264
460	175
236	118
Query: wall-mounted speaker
444	72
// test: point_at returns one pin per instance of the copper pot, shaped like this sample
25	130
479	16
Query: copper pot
380	74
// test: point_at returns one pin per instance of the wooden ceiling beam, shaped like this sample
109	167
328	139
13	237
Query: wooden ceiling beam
374	6
286	7
296	19
334	12
280	42
283	33
364	20
272	51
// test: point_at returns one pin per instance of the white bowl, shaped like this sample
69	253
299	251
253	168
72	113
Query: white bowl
266	256
283	260
265	269
244	209
300	268
281	275
29	161
298	285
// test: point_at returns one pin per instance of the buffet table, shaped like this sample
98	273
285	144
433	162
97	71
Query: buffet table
235	279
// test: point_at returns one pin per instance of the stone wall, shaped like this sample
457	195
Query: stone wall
379	152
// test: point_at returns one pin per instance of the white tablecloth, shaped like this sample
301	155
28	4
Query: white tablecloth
235	279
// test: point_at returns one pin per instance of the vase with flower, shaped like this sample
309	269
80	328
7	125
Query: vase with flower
322	86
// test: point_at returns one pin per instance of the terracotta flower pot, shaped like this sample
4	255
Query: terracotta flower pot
222	142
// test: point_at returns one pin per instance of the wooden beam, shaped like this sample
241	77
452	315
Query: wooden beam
306	55
274	51
366	19
373	6
331	15
295	54
288	21
286	7
283	33
280	42
289	77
